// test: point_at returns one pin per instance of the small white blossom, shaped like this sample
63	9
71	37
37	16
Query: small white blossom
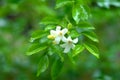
58	34
69	43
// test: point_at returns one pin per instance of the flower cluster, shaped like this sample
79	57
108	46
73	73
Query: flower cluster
59	35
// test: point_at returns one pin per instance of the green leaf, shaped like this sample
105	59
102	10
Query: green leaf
78	49
43	64
56	68
91	35
85	25
58	50
79	13
49	20
61	3
49	27
71	57
74	34
69	26
36	35
50	51
43	40
80	2
34	48
45	10
92	49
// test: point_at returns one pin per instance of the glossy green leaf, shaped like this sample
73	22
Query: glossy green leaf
43	40
61	3
79	1
74	34
50	51
91	35
79	13
78	49
35	48
50	27
43	64
58	50
85	25
49	20
92	49
56	68
36	35
71	57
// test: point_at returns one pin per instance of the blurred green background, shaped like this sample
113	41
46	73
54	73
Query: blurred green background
19	18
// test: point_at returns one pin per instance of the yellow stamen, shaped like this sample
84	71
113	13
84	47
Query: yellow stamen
60	33
69	42
51	37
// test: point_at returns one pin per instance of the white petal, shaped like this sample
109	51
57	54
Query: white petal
67	49
64	31
58	28
64	39
63	45
73	46
75	40
52	32
57	40
69	38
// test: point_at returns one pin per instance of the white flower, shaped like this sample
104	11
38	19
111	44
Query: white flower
58	34
69	43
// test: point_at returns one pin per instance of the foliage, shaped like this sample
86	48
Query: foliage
20	19
76	21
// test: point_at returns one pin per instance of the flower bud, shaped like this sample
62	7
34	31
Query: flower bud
69	26
50	37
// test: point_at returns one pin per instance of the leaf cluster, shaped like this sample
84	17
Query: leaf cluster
73	15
